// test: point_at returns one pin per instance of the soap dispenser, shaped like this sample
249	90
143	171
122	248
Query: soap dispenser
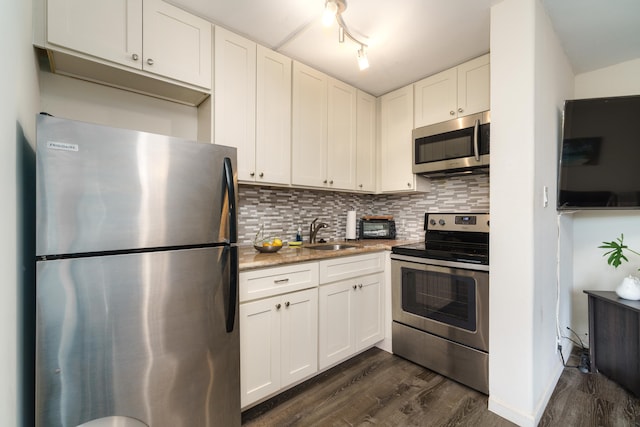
299	234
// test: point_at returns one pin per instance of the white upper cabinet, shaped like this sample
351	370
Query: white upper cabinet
273	117
235	98
474	86
110	30
147	35
453	93
308	127
323	131
436	98
396	115
366	142
341	135
252	110
176	44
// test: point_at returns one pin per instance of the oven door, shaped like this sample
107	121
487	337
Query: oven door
449	302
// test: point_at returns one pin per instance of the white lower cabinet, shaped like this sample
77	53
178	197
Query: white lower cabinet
350	317
278	343
290	328
351	306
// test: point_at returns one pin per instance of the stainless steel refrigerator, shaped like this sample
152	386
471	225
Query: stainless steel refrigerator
136	279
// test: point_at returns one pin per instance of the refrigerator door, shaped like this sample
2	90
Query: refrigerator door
140	336
104	189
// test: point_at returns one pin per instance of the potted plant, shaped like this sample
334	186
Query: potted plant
630	286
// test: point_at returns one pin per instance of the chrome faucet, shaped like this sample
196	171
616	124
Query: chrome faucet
314	228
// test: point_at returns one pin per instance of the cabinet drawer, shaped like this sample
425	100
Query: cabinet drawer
277	280
343	268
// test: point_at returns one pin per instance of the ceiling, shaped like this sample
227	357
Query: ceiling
411	39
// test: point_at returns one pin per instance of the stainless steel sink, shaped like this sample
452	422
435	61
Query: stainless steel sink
331	247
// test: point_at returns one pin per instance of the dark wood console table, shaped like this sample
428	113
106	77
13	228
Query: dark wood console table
614	338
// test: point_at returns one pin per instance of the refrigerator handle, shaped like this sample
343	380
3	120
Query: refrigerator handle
233	287
231	192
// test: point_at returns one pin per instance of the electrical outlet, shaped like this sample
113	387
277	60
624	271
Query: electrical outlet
545	196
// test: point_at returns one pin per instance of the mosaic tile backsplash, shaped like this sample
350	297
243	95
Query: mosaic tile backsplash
283	210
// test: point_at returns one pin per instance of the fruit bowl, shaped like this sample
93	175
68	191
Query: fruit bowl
267	249
268	245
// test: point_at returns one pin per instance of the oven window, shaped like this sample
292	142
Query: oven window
444	297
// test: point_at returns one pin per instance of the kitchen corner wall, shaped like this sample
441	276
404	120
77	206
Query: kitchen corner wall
282	210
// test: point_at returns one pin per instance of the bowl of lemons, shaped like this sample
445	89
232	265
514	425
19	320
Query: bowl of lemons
268	245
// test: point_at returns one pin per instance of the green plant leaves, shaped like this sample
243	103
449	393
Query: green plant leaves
615	252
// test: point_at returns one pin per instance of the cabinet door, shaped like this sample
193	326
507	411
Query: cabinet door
474	86
110	30
365	142
336	322
235	98
299	335
260	347
341	135
273	117
176	44
396	113
436	98
370	311
309	127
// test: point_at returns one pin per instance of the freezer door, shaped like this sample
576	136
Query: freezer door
105	189
149	336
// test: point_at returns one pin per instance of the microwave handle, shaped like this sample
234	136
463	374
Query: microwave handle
476	151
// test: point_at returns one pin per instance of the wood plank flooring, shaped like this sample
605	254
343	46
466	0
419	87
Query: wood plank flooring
377	388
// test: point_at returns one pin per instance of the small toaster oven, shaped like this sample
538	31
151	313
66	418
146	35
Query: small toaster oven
377	229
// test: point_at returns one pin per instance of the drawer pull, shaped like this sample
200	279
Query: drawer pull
280	281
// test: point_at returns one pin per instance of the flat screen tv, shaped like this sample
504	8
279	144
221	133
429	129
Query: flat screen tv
599	161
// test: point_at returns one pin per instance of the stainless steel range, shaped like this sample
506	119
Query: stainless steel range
440	298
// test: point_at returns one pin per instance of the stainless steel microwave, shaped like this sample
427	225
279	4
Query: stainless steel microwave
453	147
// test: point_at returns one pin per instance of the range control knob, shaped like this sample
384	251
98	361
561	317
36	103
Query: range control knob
441	222
432	221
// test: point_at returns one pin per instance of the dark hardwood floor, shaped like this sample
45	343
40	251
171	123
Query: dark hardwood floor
377	388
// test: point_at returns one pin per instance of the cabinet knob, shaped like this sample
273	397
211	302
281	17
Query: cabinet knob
360	185
286	304
355	287
460	110
409	184
331	182
360	286
150	61
261	174
324	182
278	306
135	56
453	113
252	174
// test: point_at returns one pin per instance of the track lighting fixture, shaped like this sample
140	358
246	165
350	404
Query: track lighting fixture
333	13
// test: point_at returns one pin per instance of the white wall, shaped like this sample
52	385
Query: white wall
530	77
554	82
80	100
590	270
615	80
511	279
18	105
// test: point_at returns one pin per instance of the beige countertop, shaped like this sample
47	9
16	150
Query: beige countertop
250	258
